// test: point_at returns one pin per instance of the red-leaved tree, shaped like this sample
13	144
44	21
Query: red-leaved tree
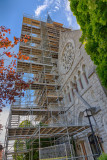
11	82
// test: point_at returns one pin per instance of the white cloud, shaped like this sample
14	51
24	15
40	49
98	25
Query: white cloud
52	6
58	3
43	7
68	12
40	9
54	10
67	6
56	7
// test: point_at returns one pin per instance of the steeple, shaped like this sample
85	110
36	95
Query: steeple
49	20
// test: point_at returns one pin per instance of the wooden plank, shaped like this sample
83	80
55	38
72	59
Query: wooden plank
31	21
36	51
49	25
36	30
25	49
58	24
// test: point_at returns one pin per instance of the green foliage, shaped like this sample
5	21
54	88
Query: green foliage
44	142
91	15
72	141
25	123
103	157
18	146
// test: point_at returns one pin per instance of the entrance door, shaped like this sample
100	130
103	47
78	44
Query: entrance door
84	150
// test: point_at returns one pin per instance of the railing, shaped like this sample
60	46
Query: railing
61	151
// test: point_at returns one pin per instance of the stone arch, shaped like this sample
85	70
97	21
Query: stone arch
81	119
79	73
70	41
84	69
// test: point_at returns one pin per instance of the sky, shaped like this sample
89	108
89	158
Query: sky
11	16
12	11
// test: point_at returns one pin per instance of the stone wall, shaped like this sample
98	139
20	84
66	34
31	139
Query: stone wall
81	71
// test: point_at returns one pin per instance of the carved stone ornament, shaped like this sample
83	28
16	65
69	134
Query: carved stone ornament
67	57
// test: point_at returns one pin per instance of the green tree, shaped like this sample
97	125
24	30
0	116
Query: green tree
25	123
91	15
20	144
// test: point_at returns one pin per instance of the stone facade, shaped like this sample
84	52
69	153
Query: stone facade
78	70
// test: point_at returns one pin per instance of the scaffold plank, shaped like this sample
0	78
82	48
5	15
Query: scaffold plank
58	24
25	111
31	21
30	29
45	131
42	85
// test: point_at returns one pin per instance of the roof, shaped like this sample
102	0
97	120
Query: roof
49	20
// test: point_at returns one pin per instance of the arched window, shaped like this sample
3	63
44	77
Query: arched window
84	76
68	93
79	82
80	118
75	83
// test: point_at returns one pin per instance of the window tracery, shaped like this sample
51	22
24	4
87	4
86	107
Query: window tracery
68	57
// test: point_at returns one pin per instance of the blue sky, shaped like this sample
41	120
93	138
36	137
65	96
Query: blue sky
11	13
11	16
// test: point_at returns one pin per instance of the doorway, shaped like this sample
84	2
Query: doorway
93	147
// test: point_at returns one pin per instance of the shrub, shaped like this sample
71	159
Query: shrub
103	157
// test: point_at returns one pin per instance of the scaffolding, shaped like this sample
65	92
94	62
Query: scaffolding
40	116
